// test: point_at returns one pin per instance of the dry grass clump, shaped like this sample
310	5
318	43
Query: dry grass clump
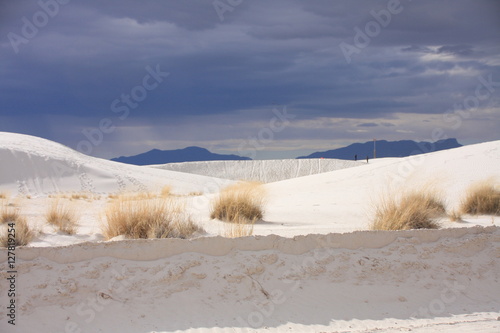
62	216
481	198
240	203
79	196
135	196
22	236
455	216
166	191
8	214
238	228
153	218
413	210
87	196
113	196
4	196
14	229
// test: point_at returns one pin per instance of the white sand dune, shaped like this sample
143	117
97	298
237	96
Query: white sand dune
307	270
265	171
345	198
35	166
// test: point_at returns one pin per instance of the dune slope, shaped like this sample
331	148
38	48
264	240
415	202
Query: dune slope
33	166
345	198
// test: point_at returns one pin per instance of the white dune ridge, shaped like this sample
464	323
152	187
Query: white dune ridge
31	165
312	265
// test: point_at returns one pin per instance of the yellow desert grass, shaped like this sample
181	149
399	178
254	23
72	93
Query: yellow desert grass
242	202
8	214
63	216
238	228
12	220
166	191
133	196
411	210
148	218
481	198
455	216
87	196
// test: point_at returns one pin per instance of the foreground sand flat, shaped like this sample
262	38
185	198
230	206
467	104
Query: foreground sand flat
363	281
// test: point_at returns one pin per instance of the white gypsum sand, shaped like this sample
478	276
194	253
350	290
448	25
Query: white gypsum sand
312	267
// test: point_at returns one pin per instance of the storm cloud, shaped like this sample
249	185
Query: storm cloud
76	71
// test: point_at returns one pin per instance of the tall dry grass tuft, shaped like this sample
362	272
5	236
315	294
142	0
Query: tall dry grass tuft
166	191
12	220
242	202
413	210
148	218
8	214
238	228
455	216
481	198
63	216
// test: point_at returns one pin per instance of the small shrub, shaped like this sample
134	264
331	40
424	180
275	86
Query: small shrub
23	235
3	195
166	191
455	216
62	216
113	196
240	202
136	196
79	196
8	214
481	198
414	210
153	218
88	196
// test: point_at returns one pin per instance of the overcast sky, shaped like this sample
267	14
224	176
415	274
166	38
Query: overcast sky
258	78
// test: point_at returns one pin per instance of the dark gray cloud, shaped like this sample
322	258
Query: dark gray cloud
68	74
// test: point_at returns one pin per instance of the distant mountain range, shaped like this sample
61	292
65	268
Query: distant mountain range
362	150
189	154
385	149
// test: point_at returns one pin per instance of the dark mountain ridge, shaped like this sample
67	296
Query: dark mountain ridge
189	154
385	149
